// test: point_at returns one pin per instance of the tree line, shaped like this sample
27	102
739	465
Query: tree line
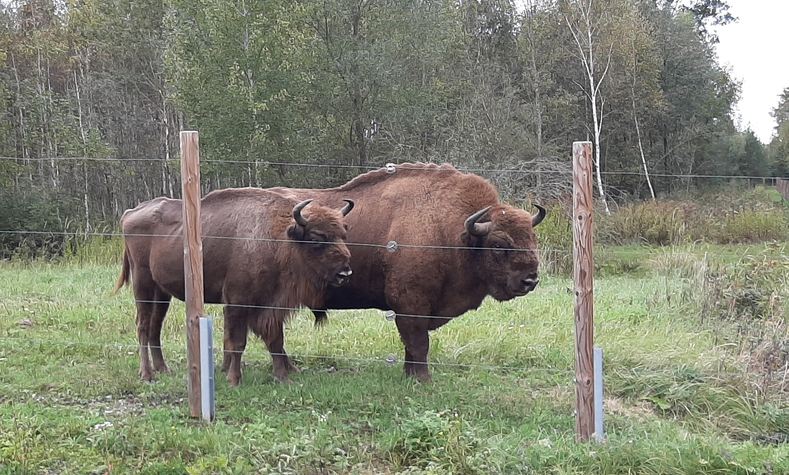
93	94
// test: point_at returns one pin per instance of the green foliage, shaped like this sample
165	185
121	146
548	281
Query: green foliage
779	146
34	217
95	249
343	85
744	303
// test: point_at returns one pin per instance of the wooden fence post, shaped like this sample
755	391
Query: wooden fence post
583	269
783	188
193	264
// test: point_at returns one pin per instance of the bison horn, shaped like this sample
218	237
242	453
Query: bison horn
297	213
535	220
478	229
347	208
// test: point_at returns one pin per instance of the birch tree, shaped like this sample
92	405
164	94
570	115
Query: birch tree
590	24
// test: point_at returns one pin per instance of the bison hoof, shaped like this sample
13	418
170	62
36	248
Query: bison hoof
162	368
233	380
292	367
284	379
423	376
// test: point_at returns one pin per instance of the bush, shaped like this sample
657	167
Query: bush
439	439
33	226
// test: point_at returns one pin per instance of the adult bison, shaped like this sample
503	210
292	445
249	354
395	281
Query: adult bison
456	244
263	254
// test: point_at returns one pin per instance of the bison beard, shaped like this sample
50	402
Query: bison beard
260	249
462	245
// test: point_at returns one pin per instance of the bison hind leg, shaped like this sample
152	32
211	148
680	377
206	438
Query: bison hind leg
160	308
321	316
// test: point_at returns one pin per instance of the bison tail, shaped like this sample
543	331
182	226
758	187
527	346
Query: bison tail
123	278
321	317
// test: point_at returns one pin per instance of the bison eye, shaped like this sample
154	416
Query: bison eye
318	240
498	245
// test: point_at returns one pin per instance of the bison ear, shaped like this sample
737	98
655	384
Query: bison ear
470	240
296	232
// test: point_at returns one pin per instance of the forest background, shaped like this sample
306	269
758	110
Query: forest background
310	93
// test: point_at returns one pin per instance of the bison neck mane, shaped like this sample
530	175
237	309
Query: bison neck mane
296	289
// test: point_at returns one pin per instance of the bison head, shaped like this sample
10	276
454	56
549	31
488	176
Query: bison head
505	249
322	233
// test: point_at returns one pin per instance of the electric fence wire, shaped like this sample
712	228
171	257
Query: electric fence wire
411	167
682	372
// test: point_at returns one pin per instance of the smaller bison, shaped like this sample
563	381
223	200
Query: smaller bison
263	254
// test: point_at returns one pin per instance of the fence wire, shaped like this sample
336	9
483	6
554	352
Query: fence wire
218	352
374	167
645	252
511	324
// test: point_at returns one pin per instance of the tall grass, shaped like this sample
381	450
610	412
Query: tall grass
725	217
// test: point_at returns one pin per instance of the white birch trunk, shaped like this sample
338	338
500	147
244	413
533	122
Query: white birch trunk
586	50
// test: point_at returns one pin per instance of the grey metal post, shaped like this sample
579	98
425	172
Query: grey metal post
598	395
207	368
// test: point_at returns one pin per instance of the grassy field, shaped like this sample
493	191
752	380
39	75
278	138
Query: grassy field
682	393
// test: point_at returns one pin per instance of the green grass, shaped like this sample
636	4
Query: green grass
678	398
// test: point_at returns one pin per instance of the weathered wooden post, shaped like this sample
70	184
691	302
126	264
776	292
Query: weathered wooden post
193	272
583	284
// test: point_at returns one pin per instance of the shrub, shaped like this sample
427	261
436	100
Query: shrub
434	438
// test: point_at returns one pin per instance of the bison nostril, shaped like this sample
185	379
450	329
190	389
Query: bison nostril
530	284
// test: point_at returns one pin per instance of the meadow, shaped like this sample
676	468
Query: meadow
679	399
696	352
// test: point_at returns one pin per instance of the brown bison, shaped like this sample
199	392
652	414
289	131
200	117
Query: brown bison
457	244
263	254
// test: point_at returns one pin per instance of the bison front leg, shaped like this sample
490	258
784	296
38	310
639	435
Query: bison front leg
234	342
270	329
414	334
